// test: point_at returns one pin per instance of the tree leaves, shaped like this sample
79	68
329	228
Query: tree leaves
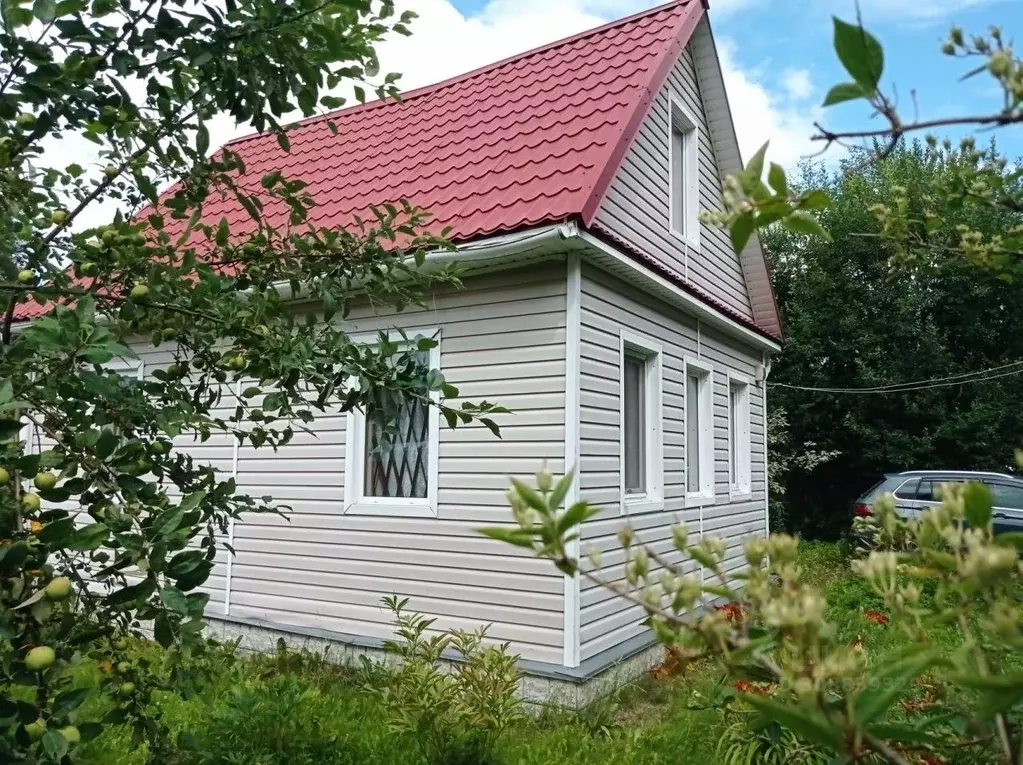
977	504
800	222
846	91
804	722
860	53
44	10
891	680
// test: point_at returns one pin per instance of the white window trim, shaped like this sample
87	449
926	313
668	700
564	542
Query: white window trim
678	112
355	433
653	498
742	488
705	496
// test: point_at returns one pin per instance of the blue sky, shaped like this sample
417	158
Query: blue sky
779	61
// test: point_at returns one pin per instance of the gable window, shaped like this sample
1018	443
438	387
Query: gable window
684	169
395	472
699	429
739	478
642	465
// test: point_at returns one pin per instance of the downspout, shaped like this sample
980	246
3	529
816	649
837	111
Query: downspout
767	484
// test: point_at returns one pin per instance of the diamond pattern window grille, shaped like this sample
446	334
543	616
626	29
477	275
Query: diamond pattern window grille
396	467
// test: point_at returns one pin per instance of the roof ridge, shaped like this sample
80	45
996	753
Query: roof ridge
426	89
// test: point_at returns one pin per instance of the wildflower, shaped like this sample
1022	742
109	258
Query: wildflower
733	611
876	616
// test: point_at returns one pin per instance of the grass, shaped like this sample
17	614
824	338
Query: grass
298	709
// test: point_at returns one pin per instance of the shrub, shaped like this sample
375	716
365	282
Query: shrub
749	741
454	717
283	721
955	575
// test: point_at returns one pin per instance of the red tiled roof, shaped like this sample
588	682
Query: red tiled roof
534	139
521	142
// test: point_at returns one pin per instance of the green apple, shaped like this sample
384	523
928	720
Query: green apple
45	481
39	658
59	588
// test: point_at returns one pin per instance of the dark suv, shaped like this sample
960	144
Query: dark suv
917	490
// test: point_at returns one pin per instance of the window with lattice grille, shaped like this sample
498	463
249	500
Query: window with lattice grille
397	462
394	470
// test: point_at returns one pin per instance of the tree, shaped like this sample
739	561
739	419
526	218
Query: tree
141	521
853	321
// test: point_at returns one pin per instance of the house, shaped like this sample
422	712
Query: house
628	338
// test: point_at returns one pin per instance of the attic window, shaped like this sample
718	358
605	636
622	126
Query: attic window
684	191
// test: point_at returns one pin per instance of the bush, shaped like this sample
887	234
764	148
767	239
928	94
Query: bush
285	721
454	717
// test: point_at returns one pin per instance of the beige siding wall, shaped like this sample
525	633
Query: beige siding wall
502	339
637	204
607	307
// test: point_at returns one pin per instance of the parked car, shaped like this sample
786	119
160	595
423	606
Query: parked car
917	490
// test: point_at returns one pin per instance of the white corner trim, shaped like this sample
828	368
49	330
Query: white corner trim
354	501
652	499
573	354
767	484
230	523
646	279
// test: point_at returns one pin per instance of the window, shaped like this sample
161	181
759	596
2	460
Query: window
930	490
642	466
1010	497
394	473
699	448
908	490
683	150
396	463
739	468
634	388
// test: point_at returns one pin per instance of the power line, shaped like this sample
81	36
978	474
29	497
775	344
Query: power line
935	382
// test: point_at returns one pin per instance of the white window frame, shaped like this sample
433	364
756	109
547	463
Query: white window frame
679	115
653	498
739	441
705	449
355	502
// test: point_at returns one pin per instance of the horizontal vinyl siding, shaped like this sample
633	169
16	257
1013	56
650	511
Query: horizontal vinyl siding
608	306
502	339
636	206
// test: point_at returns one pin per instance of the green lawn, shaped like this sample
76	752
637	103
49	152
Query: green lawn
296	709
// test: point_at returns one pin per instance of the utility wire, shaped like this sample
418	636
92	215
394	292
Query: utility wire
935	382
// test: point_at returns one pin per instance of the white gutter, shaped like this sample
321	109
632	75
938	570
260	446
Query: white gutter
689	303
498	248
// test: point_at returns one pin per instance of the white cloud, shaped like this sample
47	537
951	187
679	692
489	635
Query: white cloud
720	8
797	84
784	117
915	10
446	43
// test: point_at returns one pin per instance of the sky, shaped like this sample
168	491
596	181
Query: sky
777	55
